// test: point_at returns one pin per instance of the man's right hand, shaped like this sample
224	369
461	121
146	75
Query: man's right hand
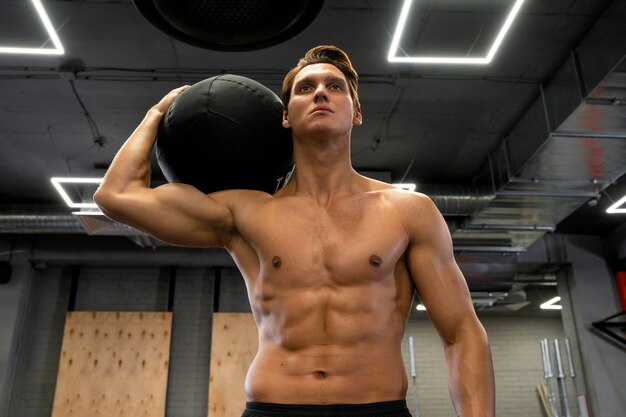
164	104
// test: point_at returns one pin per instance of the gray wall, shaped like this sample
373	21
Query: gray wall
12	297
591	294
517	364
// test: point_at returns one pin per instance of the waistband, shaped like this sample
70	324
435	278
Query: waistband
378	409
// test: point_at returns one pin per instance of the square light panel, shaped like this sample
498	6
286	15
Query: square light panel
47	24
551	304
618	207
487	33
82	189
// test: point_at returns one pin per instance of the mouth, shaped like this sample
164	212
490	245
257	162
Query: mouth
321	110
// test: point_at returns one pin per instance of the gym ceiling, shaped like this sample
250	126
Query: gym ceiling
533	142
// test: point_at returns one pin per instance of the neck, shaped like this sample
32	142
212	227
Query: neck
323	168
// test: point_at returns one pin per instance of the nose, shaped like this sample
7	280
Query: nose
321	93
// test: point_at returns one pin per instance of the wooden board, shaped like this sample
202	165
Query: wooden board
113	364
234	344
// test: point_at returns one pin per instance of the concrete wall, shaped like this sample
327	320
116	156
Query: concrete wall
590	289
13	296
516	356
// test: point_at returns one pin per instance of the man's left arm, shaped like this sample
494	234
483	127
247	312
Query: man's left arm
443	291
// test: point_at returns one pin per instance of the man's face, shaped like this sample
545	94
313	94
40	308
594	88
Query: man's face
321	102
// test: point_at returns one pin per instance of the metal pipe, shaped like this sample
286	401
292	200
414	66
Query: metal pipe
581	402
587	135
456	200
547	371
497	249
577	181
512	227
413	373
561	381
412	358
30	224
546	194
549	376
568	351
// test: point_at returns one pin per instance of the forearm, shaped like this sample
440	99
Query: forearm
131	165
130	168
470	374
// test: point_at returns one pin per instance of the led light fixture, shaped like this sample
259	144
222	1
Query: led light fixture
45	20
397	36
88	213
406	186
420	307
57	181
551	304
615	208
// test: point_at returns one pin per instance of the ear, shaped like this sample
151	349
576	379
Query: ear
286	123
357	120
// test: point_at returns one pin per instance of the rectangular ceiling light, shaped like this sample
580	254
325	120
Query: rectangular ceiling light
45	20
58	181
615	208
397	36
551	304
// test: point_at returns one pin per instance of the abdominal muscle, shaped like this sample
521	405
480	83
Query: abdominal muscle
329	346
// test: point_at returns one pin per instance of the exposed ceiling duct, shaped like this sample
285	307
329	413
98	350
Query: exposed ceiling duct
567	148
50	220
451	200
39	223
457	200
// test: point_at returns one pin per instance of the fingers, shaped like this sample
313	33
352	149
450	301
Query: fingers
169	98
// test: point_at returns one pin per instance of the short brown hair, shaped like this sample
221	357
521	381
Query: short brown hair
324	54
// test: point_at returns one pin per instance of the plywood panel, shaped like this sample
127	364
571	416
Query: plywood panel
113	364
233	346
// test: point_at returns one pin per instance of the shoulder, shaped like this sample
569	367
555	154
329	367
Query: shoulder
408	203
418	213
250	205
241	200
405	203
245	208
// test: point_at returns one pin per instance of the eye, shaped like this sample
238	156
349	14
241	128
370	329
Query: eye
304	88
337	87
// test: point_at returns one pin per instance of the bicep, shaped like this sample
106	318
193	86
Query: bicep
437	277
175	213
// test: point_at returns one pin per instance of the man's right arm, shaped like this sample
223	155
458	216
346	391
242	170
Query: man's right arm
175	213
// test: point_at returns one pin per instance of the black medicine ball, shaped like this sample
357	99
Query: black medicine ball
225	133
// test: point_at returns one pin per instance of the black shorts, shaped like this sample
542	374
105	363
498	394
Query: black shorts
381	409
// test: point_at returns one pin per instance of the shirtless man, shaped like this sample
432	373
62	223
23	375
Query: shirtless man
330	261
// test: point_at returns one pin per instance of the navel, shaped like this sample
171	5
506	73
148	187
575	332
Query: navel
376	260
276	262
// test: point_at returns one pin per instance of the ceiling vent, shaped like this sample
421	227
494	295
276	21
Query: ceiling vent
230	25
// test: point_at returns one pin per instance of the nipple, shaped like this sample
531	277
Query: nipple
375	260
276	262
